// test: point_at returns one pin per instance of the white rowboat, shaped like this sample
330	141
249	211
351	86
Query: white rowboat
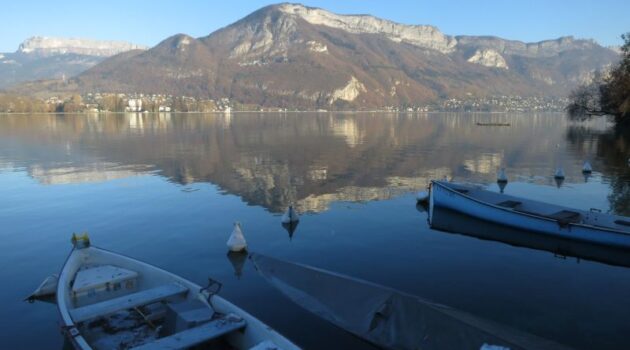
110	301
591	226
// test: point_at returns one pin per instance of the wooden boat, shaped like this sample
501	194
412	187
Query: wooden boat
110	301
591	226
492	124
388	318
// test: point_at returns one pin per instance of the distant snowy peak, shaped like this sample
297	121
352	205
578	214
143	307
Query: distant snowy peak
56	46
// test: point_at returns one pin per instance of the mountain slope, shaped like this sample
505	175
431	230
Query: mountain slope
289	55
54	58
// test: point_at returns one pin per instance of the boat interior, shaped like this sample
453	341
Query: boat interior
116	307
563	215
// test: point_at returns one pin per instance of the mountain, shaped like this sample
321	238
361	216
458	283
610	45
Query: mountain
290	55
53	58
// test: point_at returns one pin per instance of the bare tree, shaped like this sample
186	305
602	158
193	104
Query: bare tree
609	95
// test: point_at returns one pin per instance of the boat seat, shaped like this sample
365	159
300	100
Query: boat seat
128	301
194	336
565	217
99	277
509	204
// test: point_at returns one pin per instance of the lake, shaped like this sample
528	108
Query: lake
167	189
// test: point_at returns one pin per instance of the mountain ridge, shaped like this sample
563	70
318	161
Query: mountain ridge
42	57
290	55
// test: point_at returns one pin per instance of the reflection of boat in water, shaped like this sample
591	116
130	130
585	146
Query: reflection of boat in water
444	219
386	317
593	226
290	227
109	301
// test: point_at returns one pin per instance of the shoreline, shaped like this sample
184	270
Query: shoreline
280	112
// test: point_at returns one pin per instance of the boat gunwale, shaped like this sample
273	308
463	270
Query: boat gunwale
79	341
541	217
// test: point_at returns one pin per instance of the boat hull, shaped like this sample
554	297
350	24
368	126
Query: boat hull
445	195
254	333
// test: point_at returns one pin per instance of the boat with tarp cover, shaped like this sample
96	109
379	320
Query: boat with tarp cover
389	318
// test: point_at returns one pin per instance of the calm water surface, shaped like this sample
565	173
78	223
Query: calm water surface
166	189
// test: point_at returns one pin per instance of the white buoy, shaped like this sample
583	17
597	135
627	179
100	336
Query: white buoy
237	242
422	196
559	173
290	216
587	168
501	176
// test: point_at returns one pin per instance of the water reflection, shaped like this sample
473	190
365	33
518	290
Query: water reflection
272	160
269	161
237	259
450	221
612	147
290	227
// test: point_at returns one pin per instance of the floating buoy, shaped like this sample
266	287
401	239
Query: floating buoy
559	174
587	168
422	196
237	242
501	176
290	215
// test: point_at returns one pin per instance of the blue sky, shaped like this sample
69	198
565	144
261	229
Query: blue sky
148	22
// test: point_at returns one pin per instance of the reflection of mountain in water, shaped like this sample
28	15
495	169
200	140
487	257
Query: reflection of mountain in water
274	159
612	147
96	172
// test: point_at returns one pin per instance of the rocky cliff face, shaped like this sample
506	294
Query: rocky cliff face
294	56
488	58
547	48
418	35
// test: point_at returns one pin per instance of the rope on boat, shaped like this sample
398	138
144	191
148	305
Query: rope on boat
145	318
211	289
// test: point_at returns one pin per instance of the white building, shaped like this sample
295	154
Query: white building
134	105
